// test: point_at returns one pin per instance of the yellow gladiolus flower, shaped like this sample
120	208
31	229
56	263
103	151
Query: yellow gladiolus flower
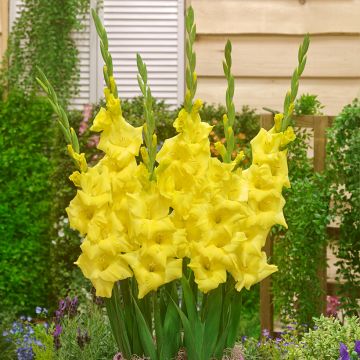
79	158
102	267
208	268
153	268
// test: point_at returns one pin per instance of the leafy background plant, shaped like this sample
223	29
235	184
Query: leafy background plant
320	342
299	251
25	150
343	161
42	36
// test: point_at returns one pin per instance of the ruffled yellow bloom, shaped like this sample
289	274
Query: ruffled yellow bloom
208	268
103	269
213	213
153	268
253	272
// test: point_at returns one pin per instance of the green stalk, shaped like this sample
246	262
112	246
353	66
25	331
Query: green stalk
229	118
117	322
63	121
149	127
292	93
104	47
190	74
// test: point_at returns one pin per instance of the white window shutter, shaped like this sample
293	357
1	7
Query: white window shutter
155	30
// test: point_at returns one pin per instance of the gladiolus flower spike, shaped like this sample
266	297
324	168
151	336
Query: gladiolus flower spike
177	219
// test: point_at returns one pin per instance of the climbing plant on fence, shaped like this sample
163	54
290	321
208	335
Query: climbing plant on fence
43	36
299	251
343	156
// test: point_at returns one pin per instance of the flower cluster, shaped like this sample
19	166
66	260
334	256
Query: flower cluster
213	213
22	335
67	307
344	352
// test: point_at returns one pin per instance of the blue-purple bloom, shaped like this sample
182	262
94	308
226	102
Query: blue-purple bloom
38	310
357	347
344	354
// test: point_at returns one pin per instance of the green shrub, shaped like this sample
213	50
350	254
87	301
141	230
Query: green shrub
87	336
321	342
299	250
343	160
308	104
26	133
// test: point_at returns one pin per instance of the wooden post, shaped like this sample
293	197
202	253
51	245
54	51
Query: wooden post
320	125
4	25
266	299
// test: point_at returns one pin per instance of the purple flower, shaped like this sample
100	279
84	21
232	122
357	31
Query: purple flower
58	330
344	354
38	310
266	333
357	347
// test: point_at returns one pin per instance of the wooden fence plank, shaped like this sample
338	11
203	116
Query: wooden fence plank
4	24
259	92
258	55
276	17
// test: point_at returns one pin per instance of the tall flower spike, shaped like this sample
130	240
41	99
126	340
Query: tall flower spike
229	118
104	47
292	93
149	129
191	78
69	132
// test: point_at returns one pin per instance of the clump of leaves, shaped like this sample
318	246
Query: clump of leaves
87	336
343	160
323	341
308	104
299	250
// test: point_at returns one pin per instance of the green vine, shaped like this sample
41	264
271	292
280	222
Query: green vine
343	160
298	251
43	36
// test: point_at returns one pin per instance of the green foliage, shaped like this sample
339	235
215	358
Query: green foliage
101	344
321	342
343	157
42	36
324	341
26	134
7	347
299	251
65	242
308	104
43	348
250	312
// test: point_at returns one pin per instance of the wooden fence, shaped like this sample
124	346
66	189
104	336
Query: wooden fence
4	23
318	124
